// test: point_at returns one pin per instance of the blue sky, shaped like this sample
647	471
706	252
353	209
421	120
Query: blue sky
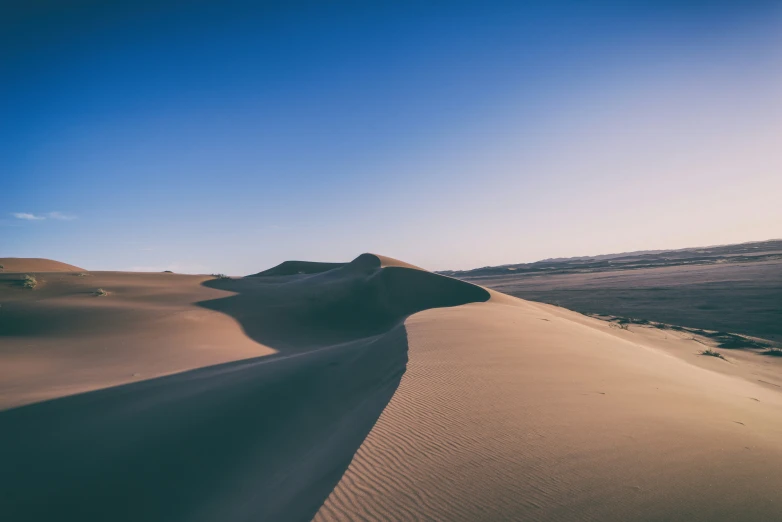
205	137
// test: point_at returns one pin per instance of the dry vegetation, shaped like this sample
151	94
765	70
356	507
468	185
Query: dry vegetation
29	281
713	353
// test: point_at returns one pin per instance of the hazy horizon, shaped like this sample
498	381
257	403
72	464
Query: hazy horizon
175	267
203	138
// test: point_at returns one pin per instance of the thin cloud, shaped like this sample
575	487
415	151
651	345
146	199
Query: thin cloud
28	216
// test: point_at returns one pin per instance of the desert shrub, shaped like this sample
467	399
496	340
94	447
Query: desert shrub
81	274
100	292
730	340
221	276
29	281
167	272
713	353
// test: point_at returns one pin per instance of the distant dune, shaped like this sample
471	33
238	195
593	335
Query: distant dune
311	267
368	390
35	264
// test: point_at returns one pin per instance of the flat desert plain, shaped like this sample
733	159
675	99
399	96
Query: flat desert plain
730	288
368	390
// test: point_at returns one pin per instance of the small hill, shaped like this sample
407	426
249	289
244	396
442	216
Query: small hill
35	264
757	251
297	267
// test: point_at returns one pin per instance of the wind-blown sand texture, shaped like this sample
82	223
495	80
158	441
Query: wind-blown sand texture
372	390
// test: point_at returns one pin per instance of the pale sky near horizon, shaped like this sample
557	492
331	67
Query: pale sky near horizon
217	137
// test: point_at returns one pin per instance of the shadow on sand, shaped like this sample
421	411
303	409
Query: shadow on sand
259	439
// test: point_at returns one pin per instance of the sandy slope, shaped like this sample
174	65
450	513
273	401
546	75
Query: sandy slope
34	264
370	391
60	339
518	411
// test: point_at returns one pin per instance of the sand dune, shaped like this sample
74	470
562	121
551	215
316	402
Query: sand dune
35	264
518	411
371	390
